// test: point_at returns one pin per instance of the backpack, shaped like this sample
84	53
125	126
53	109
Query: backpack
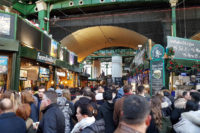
67	111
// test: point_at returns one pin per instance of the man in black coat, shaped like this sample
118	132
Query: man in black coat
105	111
9	122
53	120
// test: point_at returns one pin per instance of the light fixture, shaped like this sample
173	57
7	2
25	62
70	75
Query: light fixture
139	46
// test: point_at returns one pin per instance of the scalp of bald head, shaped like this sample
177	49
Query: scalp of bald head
6	104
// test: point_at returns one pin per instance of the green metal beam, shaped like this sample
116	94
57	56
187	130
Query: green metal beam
25	9
67	4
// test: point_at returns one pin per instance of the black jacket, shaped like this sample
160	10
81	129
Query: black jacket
106	112
53	120
97	127
10	123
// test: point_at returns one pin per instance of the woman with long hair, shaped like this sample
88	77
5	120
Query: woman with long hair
156	114
26	97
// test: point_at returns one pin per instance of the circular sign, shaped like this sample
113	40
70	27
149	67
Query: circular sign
157	51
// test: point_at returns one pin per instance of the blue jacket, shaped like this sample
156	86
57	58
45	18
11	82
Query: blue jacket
53	120
10	123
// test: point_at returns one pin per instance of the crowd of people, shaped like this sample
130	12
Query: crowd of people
99	109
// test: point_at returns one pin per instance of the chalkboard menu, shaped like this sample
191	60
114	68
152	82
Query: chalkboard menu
184	48
156	75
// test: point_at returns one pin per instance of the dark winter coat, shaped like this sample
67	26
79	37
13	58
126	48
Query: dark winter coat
34	112
53	120
106	112
10	123
152	127
97	127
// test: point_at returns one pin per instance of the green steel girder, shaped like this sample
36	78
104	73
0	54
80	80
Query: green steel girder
25	9
86	3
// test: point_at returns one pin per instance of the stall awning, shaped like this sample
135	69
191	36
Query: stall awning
9	44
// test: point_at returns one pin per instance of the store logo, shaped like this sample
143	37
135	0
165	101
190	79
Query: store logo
45	58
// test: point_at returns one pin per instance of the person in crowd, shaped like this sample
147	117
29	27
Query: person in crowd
28	98
120	92
167	94
14	97
41	91
24	111
67	108
9	122
67	94
195	96
136	115
29	90
166	104
105	111
186	95
119	104
53	120
99	95
84	114
156	115
88	97
189	122
141	91
179	107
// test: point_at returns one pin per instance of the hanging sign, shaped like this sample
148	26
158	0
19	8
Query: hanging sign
184	48
54	48
61	74
71	58
157	51
23	75
157	67
3	64
45	58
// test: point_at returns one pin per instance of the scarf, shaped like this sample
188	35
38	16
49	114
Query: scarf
83	124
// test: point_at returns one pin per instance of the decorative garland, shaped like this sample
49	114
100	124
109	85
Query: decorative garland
173	66
170	52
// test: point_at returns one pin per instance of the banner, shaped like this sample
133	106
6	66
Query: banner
3	64
71	58
5	20
54	48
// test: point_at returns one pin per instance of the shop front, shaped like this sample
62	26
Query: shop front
183	63
36	69
9	48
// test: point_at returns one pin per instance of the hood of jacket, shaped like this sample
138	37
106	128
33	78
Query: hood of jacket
192	116
108	106
180	103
